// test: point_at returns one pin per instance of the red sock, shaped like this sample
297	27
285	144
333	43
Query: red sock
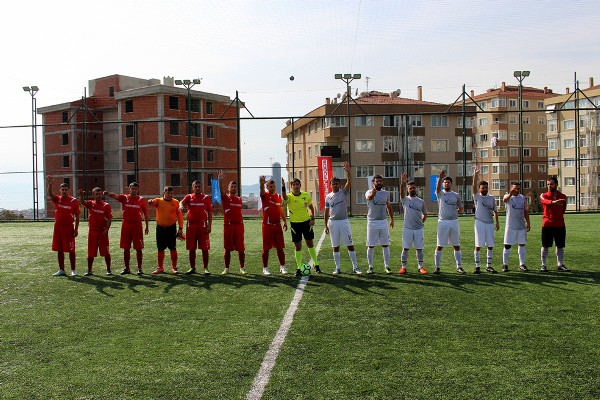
205	258
108	261
193	259
265	258
173	254
138	256
126	257
242	258
72	260
61	260
281	256
90	263
227	258
161	259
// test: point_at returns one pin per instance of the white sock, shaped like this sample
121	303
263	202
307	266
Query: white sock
544	255
522	254
404	257
420	257
336	259
438	258
490	255
560	255
352	255
458	258
505	255
476	253
386	256
370	256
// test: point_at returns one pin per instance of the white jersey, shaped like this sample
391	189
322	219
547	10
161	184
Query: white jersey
484	208
414	209
448	205
337	204
515	212
378	205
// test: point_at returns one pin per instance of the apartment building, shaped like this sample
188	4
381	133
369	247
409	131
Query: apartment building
496	133
573	146
132	129
382	134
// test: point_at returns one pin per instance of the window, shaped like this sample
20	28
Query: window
542	184
526	184
195	129
499	102
514	168
499	168
174	128
583	179
300	154
209	107
210	132
552	163
526	136
65	162
542	168
363	171
175	180
129	130
541	137
485	169
527	168
419	169
65	139
569	181
309	151
363	120
393	190
484	153
552	144
333	122
583	161
174	152
364	145
540	105
512	103
569	124
310	175
130	179
173	103
439	145
415	144
583	142
526	119
495	184
65	116
129	156
391	120
468	122
512	119
483	121
316	150
128	106
541	120
195	104
569	162
526	152
482	105
499	152
195	154
360	197
415	120
525	103
568	143
514	151
551	125
571	200
437	168
460	169
439	121
300	175
390	144
390	169
210	155
468	139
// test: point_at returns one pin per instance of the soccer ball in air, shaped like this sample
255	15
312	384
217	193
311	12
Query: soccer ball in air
305	269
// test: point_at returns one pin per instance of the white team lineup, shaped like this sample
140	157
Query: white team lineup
380	220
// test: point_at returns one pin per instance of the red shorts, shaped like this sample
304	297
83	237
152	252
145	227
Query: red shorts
97	241
233	237
132	233
197	238
272	237
62	238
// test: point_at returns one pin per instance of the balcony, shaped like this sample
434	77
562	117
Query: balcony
335	132
389	131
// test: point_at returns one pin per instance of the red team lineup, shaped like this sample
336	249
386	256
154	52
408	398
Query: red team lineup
198	209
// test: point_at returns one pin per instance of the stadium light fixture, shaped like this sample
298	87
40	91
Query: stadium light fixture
189	84
32	90
521	75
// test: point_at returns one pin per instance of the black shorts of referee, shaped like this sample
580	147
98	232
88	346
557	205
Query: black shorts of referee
300	229
165	237
557	234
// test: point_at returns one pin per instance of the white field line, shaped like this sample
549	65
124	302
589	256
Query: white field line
261	380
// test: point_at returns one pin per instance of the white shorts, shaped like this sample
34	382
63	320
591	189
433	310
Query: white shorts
413	237
340	232
448	232
378	233
484	234
515	236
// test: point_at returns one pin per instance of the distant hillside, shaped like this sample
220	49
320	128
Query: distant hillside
247	189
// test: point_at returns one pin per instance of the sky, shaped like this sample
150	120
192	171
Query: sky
255	46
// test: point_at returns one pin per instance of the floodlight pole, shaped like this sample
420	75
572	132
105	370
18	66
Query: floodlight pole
347	78
189	84
521	75
32	91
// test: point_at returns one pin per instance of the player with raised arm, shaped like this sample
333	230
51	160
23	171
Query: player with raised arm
302	220
66	212
485	214
337	224
168	215
134	209
554	230
517	225
448	230
199	225
379	207
272	233
99	221
413	228
233	223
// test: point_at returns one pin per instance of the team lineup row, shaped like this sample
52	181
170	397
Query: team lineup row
199	211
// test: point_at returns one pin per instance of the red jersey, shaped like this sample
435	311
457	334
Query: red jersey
134	208
553	213
66	208
100	212
198	207
232	209
271	208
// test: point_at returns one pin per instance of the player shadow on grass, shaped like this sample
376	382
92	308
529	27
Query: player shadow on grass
115	282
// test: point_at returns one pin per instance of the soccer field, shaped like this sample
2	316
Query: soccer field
508	335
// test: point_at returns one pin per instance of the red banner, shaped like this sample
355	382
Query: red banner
325	175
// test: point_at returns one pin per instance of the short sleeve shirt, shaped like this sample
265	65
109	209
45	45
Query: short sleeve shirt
378	205
232	209
198	207
414	209
134	207
484	208
65	209
100	212
337	204
298	206
515	212
271	208
448	205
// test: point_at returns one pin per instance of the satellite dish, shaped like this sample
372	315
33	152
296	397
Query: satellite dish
396	93
339	95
